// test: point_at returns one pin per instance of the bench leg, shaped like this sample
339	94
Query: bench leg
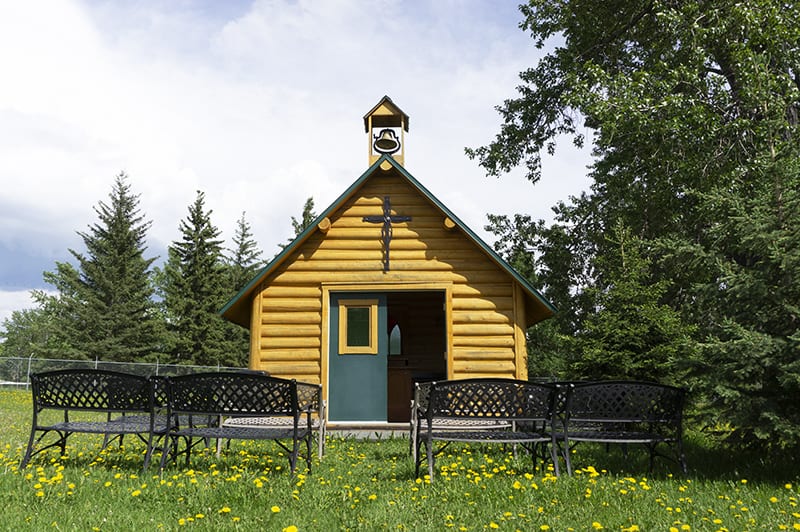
429	448
29	450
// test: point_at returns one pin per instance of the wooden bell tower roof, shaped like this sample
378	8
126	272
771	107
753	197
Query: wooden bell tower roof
386	118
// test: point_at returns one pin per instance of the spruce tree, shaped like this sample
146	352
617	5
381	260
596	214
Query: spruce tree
242	265
105	305
306	217
631	334
245	257
194	289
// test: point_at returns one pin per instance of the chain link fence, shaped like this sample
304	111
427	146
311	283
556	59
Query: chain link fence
15	371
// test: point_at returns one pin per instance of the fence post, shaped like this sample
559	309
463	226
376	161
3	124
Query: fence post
28	380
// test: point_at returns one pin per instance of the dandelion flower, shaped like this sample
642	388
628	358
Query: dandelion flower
276	509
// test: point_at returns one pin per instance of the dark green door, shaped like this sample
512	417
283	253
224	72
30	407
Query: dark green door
357	376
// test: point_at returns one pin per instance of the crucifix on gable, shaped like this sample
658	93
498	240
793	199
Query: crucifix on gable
387	219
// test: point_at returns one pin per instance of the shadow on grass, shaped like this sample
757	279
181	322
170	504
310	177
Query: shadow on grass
706	459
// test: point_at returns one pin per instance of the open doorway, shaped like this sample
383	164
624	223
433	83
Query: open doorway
417	346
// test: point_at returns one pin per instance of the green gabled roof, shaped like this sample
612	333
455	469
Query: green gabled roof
239	307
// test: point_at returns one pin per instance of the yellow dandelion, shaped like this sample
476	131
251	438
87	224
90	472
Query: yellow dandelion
225	510
290	528
276	509
136	493
597	526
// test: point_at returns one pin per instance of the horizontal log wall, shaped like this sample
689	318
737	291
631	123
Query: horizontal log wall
422	250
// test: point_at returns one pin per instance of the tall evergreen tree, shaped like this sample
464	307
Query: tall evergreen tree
244	260
632	334
242	265
105	306
194	289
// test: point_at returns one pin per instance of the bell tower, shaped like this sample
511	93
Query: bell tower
386	126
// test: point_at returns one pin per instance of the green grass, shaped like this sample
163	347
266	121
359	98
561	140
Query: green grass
370	485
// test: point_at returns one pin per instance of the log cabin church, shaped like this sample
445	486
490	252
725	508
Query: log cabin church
386	287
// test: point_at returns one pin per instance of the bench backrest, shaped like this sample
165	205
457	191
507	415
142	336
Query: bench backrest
624	401
91	389
490	398
232	394
309	396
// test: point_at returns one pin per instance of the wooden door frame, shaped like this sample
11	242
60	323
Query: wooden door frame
355	288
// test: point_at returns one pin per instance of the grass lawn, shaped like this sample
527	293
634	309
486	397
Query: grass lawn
370	485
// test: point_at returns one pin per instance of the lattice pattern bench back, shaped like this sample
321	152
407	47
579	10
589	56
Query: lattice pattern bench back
490	398
232	394
625	401
91	389
309	396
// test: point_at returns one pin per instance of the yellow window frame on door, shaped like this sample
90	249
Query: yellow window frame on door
363	345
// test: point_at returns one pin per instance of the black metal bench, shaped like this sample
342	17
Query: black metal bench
309	397
419	404
217	396
485	410
93	397
623	412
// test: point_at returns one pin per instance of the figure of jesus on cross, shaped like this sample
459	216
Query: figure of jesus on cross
387	219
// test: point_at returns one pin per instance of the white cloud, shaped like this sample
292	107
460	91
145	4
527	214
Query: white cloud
11	301
257	104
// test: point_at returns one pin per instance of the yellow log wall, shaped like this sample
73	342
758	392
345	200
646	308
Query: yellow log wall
485	310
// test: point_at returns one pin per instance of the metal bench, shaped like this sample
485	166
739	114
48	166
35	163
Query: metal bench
309	396
98	395
219	395
419	404
485	410
623	412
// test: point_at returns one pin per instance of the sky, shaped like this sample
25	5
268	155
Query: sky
257	103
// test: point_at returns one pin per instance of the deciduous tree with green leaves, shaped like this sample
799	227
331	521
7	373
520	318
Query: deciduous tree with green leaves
693	109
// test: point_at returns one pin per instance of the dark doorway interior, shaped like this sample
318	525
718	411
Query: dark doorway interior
417	346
